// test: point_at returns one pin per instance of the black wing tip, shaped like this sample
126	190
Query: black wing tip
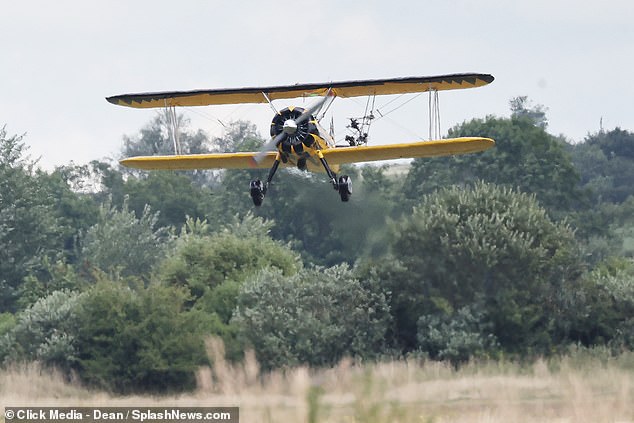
488	78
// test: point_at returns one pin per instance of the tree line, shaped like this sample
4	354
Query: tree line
119	276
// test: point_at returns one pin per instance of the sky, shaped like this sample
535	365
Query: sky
59	60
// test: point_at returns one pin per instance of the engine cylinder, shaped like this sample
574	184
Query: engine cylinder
299	135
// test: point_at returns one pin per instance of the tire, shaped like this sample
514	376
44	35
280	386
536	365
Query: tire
345	188
257	192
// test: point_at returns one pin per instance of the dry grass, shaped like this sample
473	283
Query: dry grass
576	388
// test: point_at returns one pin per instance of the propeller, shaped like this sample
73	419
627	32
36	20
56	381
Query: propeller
289	128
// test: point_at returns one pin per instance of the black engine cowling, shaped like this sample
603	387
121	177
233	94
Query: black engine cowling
302	136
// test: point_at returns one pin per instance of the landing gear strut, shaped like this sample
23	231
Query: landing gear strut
258	189
343	185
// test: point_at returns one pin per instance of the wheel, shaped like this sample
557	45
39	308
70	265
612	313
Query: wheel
345	187
257	192
301	164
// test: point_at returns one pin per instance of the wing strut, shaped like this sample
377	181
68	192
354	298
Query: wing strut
268	100
172	121
434	115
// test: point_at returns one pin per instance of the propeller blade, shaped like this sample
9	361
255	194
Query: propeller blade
312	110
269	146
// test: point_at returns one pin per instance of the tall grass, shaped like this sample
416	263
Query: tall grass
582	386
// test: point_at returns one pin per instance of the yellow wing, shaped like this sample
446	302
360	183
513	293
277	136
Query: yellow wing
445	147
335	156
341	89
200	161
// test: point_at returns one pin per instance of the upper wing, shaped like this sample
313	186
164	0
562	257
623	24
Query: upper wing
341	89
445	147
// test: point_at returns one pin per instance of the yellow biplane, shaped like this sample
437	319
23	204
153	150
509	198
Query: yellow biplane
297	138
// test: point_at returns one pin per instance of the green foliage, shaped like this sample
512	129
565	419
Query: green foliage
525	157
467	273
607	230
487	244
58	276
173	193
122	244
139	340
315	317
605	162
458	337
7	322
202	263
238	136
30	228
309	215
76	210
609	307
45	332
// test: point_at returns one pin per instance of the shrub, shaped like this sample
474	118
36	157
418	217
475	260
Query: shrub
315	317
139	340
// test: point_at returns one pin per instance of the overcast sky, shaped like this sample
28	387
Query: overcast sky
59	59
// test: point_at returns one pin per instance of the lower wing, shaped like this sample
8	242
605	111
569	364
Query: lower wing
416	149
334	156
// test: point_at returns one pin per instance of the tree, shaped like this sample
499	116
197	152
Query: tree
168	134
175	195
606	163
310	215
122	244
521	108
156	138
488	245
315	317
203	262
604	221
525	157
608	306
30	228
239	135
75	208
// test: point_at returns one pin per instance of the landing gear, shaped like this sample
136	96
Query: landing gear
257	192
345	187
258	189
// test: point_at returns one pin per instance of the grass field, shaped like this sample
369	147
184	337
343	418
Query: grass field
581	387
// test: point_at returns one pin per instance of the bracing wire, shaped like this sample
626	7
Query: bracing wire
382	114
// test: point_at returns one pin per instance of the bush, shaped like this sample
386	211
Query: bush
609	308
201	262
139	340
487	244
45	332
457	337
315	317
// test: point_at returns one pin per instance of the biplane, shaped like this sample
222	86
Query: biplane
297	137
